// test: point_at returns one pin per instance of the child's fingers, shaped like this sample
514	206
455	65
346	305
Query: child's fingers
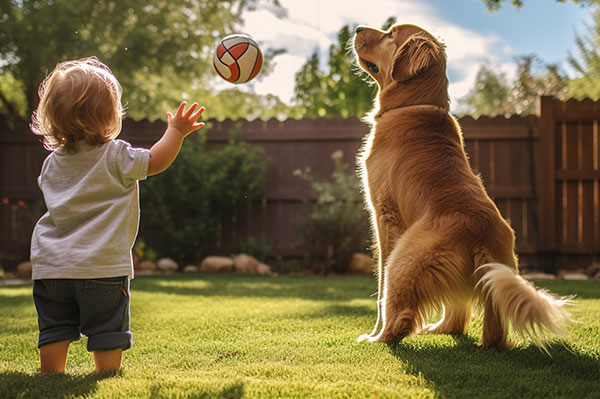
198	113
169	116
181	108
197	126
190	110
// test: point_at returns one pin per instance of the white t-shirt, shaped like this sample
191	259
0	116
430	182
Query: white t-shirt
93	213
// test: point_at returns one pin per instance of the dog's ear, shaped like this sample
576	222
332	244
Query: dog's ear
417	54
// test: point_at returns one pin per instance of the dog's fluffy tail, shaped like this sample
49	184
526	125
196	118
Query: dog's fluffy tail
532	313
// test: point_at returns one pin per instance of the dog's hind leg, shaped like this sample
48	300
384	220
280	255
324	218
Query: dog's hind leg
495	330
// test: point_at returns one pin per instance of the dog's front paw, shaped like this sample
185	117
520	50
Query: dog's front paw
366	337
385	338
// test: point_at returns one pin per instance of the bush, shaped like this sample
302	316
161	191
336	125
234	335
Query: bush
184	208
21	216
258	247
337	224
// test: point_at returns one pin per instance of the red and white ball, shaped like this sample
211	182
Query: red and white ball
237	58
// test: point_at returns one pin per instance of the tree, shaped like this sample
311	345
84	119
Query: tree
235	104
494	5
490	95
152	46
494	95
342	89
12	96
587	64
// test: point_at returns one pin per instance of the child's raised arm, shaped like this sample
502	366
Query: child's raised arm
165	150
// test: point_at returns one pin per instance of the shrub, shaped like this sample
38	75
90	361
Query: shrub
143	251
260	247
337	224
22	217
184	208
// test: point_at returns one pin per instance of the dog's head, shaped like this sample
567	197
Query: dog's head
407	62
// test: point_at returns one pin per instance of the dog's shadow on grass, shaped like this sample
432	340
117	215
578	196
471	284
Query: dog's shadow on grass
49	386
466	370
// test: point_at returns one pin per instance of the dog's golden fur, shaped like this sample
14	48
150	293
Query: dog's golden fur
442	243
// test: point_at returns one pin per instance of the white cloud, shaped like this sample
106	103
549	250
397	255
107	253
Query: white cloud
282	80
314	24
294	36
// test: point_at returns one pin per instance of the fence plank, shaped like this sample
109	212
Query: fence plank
547	187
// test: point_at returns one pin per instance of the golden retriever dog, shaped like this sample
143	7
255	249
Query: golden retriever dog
442	244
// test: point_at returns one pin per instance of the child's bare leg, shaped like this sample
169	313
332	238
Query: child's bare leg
108	360
53	356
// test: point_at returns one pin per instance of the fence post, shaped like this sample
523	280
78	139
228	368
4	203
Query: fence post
547	187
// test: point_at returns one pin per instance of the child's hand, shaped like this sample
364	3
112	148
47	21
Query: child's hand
186	122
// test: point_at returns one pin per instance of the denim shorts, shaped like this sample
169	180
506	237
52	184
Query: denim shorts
98	308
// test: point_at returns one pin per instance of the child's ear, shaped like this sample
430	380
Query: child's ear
417	54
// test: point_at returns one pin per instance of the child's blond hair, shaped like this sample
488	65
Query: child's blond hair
80	99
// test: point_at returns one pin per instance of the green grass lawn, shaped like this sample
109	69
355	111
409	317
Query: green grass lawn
232	336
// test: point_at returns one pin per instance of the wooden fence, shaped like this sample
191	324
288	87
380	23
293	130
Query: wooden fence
542	171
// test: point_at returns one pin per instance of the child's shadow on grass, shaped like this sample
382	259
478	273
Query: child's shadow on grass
231	391
465	370
62	386
49	386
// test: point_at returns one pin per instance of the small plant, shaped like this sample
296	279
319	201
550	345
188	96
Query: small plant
293	265
143	251
337	224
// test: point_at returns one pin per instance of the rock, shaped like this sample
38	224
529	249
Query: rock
575	276
263	269
190	269
361	264
147	266
538	276
167	265
24	271
245	264
216	264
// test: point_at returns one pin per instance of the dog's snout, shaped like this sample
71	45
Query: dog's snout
359	28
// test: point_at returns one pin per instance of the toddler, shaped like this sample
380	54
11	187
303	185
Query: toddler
81	247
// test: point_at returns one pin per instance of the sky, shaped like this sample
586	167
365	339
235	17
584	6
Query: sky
473	35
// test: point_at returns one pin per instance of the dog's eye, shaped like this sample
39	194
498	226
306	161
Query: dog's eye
391	35
372	67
